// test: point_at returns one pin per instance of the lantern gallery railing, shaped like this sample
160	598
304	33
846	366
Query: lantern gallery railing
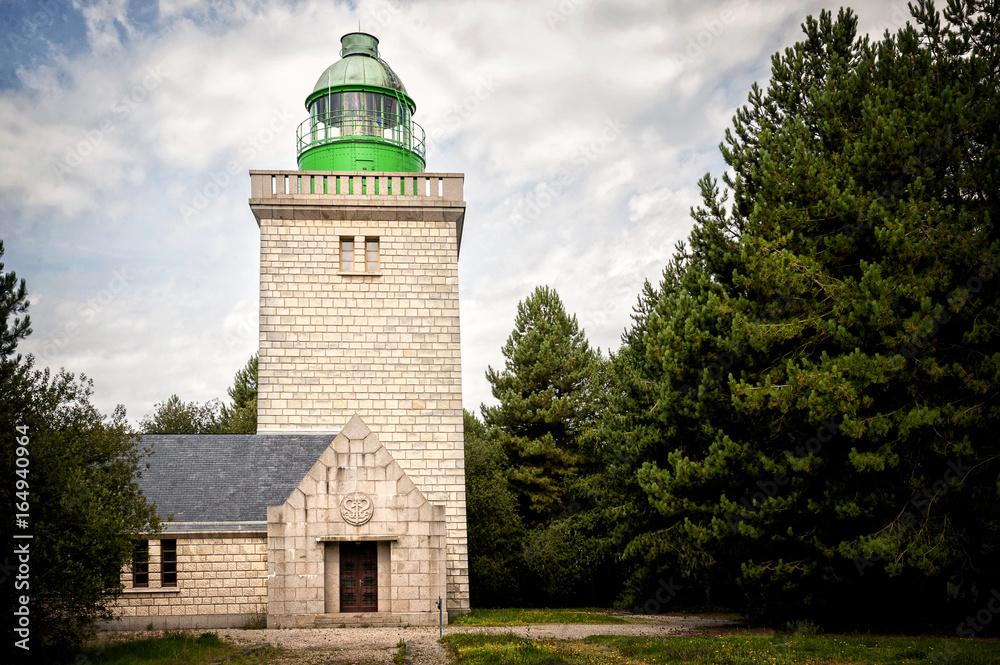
325	184
356	125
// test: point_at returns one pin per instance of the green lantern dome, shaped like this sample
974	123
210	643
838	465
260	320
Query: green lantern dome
360	116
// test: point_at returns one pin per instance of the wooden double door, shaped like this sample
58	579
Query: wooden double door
359	577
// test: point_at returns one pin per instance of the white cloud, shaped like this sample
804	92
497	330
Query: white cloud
582	127
106	21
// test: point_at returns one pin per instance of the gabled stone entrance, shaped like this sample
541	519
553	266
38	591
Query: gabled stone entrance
356	497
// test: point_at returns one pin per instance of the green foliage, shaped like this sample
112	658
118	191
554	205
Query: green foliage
486	649
572	560
244	389
241	417
256	621
549	395
530	617
781	650
546	395
807	404
494	525
84	508
13	303
173	648
665	400
176	417
483	649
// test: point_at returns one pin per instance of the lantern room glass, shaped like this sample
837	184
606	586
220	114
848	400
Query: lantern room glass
360	113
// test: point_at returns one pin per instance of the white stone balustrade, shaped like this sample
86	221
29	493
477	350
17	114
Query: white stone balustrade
431	187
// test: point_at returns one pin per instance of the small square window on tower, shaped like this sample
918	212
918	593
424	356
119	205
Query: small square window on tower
371	255
347	254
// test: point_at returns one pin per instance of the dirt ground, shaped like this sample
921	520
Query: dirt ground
340	646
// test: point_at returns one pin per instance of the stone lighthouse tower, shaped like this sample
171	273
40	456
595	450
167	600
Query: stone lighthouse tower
359	340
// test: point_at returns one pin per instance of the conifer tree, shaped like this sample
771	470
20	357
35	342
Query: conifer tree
546	399
13	303
495	531
847	449
71	501
241	417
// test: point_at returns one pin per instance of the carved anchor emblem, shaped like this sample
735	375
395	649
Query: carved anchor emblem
356	508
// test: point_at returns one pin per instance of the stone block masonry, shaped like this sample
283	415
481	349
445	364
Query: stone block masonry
307	533
221	583
381	342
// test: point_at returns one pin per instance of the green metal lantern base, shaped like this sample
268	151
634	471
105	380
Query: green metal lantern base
360	156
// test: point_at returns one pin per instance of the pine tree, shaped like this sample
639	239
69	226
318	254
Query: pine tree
13	303
546	400
495	531
71	486
848	451
241	417
666	402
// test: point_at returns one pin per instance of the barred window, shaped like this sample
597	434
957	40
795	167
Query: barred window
140	564
168	552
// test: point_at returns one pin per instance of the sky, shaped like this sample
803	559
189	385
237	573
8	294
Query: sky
582	128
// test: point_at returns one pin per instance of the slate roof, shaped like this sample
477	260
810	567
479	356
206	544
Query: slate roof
226	477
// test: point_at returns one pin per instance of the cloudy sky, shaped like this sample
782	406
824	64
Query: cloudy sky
582	128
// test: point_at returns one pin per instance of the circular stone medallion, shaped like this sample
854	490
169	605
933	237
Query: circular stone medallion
356	508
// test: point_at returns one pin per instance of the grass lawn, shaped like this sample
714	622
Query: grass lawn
479	649
525	617
171	649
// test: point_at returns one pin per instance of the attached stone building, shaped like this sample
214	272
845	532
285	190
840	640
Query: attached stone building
348	505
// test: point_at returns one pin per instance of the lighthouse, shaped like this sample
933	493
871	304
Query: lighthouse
347	508
360	116
359	341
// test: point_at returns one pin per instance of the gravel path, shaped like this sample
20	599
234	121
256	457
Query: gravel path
337	646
